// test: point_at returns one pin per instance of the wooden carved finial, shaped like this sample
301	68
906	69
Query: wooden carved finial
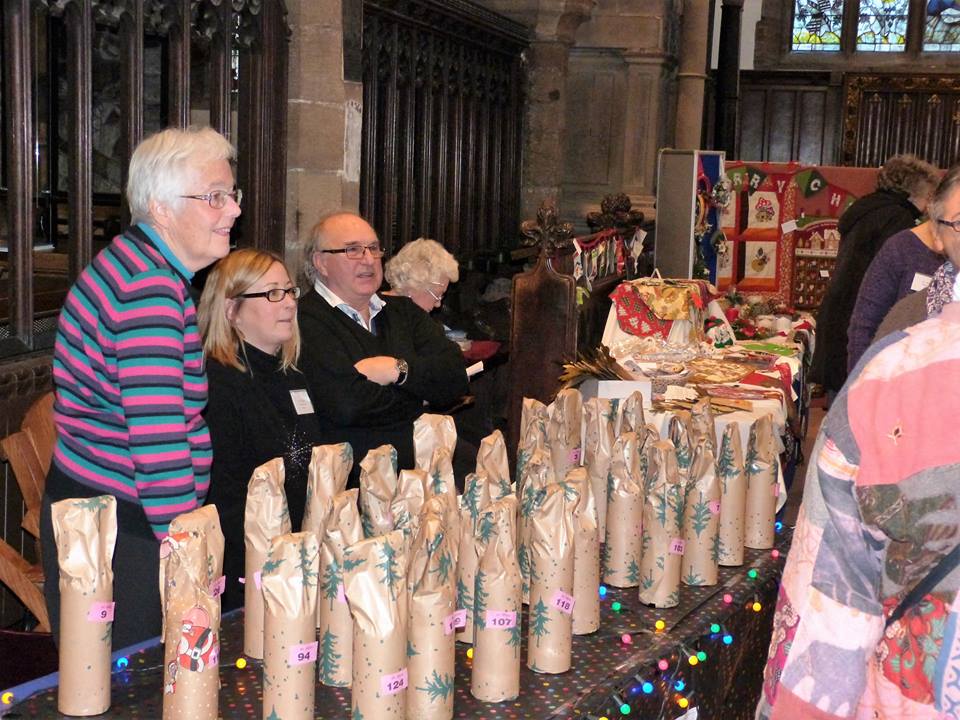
615	213
547	231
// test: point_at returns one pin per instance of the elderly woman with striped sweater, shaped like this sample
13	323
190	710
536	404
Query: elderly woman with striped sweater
128	367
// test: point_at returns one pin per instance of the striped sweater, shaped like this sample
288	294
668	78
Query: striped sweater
130	383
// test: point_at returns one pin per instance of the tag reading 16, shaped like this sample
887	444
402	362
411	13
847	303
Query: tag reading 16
303	654
392	684
454	620
218	586
562	602
100	612
501	619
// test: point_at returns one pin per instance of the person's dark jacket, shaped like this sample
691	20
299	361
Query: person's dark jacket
864	227
358	411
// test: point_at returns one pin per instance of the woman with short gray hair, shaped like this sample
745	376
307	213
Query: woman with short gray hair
422	271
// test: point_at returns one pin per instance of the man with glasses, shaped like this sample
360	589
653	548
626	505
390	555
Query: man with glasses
372	363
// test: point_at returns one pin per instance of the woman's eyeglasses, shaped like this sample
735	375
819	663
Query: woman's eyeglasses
274	294
952	224
217	199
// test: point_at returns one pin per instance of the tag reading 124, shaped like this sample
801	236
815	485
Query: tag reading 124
303	654
392	684
100	612
501	619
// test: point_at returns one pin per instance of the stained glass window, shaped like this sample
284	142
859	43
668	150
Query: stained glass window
817	25
882	26
942	30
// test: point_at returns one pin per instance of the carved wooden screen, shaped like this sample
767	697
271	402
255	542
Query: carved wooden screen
83	82
441	123
888	114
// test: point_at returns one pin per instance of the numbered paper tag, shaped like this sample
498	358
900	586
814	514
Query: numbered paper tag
714	506
563	602
301	402
100	612
575	456
256	579
454	620
776	489
676	546
303	654
341	595
392	684
218	586
920	282
501	619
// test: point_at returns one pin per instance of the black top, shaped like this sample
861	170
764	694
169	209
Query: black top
355	410
252	419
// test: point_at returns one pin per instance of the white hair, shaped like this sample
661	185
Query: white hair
420	263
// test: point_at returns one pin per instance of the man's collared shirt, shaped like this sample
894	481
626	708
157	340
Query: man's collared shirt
334	300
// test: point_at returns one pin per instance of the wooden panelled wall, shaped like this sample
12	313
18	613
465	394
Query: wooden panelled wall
442	121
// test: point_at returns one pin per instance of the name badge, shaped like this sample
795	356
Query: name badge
301	402
920	282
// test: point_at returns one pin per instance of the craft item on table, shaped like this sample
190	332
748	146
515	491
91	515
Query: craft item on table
378	485
431	431
266	515
622	549
679	433
290	648
375	579
563	431
733	497
598	364
716	369
702	424
497	603
432	621
701	518
630	417
327	475
761	467
478	494
441	483
407	503
534	418
599	420
531	486
85	531
492	462
341	530
550	620
586	554
663	545
191	580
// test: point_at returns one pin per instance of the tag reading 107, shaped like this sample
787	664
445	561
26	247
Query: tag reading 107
501	619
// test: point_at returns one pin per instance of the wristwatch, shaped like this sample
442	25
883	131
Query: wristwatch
402	370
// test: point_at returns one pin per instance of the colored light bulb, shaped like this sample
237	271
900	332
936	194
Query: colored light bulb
714	627
7	698
615	606
728	639
683	702
756	607
752	573
626	639
693	660
778	526
470	653
241	663
663	664
679	685
647	687
727	598
624	709
660	625
774	553
702	656
122	663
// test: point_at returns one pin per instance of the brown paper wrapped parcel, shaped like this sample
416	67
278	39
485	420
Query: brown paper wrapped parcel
375	577
431	431
622	548
701	519
341	530
497	622
564	431
662	528
763	485
289	582
478	493
492	462
534	417
703	424
407	503
441	483
86	533
630	416
432	620
733	496
531	486
586	560
191	581
378	485
678	432
599	420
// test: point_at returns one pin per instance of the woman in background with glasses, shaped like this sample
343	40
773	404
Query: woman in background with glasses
259	405
422	271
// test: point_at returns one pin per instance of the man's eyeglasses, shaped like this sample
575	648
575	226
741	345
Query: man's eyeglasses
217	199
355	252
952	224
274	294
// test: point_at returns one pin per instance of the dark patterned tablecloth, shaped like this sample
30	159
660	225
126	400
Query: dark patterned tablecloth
607	672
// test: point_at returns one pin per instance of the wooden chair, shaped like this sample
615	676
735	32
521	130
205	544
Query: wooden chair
29	452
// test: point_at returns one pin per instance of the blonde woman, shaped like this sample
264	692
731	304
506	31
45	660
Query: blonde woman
422	271
259	405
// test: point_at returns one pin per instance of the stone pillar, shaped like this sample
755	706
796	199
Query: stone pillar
323	115
692	75
728	78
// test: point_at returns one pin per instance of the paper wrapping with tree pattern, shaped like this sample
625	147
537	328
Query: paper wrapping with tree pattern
85	531
478	493
622	547
407	503
431	579
586	555
431	431
290	581
495	674
760	467
375	579
563	431
703	424
378	485
630	417
733	497
701	519
191	562
679	433
663	508
537	474
441	483
327	475
534	417
341	530
599	417
266	515
492	461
